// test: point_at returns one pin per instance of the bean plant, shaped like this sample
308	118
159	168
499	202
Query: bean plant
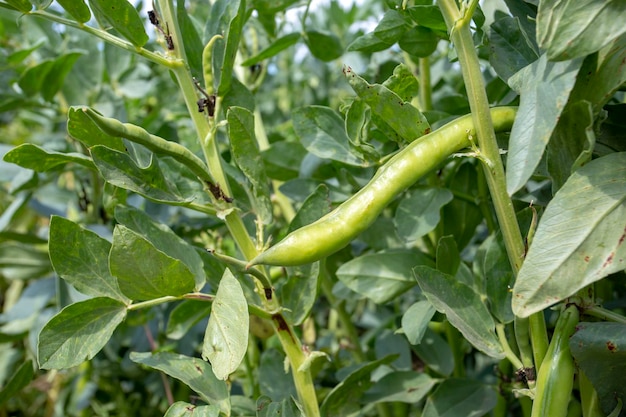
302	208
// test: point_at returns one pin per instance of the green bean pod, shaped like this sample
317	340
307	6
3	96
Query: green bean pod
339	227
154	143
556	375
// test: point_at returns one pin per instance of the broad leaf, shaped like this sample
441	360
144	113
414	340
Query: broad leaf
19	380
193	372
163	238
382	276
461	398
575	28
401	116
345	399
429	16
272	379
247	156
544	88
415	320
600	351
510	49
77	8
285	408
322	133
78	332
39	159
568	254
403	386
82	128
324	46
191	39
81	257
461	217
145	272
419	41
123	17
226	338
435	353
419	212
183	409
448	258
462	306
184	316
498	278
403	83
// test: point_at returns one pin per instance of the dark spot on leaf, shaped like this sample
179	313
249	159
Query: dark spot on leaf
621	239
608	260
427	131
281	325
198	368
611	346
586	258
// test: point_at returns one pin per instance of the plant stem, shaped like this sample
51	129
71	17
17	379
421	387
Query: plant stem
605	314
425	93
461	37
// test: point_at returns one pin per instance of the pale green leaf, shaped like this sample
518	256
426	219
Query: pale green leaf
419	212
34	157
457	397
183	409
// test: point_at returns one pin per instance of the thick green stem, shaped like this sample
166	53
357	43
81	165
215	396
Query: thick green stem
425	94
461	37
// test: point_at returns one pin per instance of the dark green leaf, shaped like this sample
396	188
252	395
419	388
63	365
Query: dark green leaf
600	351
78	332
462	306
572	142
419	212
568	254
428	16
82	128
369	43
191	39
245	151
54	79
184	316
238	95
144	272
273	49
461	398
392	27
498	278
77	8
283	159
415	321
403	386
544	88
194	372
173	184
123	17
405	119
448	257
403	83
163	238
21	5
315	206
382	276
226	338
510	50
321	131
81	257
20	379
21	261
273	381
344	399
575	28
435	353
38	159
461	217
419	41
285	408
324	46
183	409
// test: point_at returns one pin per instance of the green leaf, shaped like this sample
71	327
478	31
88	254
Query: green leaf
428	16
21	261
345	399
78	332
415	320
38	159
402	386
19	380
461	398
544	88
575	28
144	272
419	41
392	27
498	278
324	46
48	76
568	254
510	50
81	257
283	159
461	217
315	206
183	409
82	128
419	212
403	83
227	18
164	180
572	142
163	238
193	372
273	49
382	276
77	8
299	294
272	379
404	119
124	18
184	316
435	353
191	39
226	337
600	351
321	131
284	408
22	5
462	306
245	151
448	258
368	43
